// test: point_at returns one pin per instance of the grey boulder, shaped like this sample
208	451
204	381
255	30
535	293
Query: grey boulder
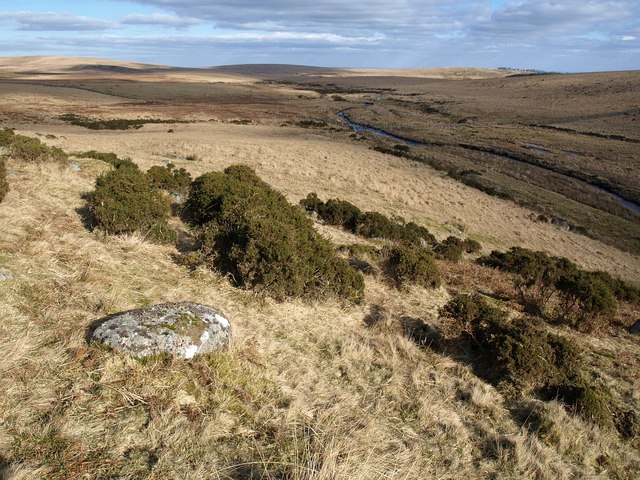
5	274
635	328
182	329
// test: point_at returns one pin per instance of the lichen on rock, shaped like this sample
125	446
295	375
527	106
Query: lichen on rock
182	329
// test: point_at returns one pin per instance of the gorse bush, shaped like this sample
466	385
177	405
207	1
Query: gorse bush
169	178
112	124
472	310
251	232
125	201
557	289
110	158
377	225
585	300
340	213
412	264
366	224
6	137
4	185
522	355
33	150
450	249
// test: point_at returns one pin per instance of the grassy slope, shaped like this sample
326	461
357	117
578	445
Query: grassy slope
306	391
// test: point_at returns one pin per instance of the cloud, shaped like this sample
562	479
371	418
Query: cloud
538	18
53	21
160	19
561	35
335	16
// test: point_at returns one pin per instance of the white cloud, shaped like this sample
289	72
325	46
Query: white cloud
54	21
161	19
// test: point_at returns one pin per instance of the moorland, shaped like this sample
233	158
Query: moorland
445	358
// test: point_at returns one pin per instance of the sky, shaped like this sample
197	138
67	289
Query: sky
550	35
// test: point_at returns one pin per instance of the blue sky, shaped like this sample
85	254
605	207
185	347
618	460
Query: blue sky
558	35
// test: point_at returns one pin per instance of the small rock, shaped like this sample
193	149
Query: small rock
182	329
635	328
561	224
178	197
5	275
75	166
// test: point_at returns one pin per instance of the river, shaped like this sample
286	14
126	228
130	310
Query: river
634	207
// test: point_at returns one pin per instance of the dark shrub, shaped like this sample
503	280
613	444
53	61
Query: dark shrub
622	290
4	185
124	201
593	404
6	137
449	249
377	225
472	310
471	246
412	264
110	158
206	194
521	354
33	150
312	203
112	124
586	300
169	178
535	274
414	233
341	213
250	231
369	225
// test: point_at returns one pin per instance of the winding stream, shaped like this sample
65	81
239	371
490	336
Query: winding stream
357	127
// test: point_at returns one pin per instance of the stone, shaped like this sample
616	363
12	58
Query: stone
183	329
635	328
5	275
75	166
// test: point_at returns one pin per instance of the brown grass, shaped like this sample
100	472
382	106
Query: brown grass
307	391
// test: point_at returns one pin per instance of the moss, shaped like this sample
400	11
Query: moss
4	185
186	324
412	264
124	201
250	231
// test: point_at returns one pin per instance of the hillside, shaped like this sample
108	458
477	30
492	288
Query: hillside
320	388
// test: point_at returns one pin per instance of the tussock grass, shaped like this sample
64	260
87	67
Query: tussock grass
306	390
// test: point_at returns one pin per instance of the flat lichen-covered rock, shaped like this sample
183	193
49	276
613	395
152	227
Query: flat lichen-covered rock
182	329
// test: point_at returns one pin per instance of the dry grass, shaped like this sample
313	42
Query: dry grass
307	391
